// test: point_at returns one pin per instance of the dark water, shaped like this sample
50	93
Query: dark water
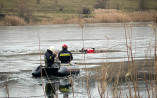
19	47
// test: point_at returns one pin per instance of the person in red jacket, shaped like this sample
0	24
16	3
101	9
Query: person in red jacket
64	55
88	50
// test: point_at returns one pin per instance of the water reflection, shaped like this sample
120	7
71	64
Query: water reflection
50	90
53	87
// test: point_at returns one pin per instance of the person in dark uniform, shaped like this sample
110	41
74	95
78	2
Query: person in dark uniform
64	55
49	56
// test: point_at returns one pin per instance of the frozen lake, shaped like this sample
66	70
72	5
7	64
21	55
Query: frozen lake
19	48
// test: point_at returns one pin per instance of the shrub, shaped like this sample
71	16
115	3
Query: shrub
2	16
13	21
85	10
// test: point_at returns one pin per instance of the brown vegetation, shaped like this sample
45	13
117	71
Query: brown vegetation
97	16
108	15
12	21
112	15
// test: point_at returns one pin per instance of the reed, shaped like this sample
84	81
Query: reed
81	24
41	64
132	76
129	72
132	64
110	15
12	21
113	15
104	74
155	54
7	88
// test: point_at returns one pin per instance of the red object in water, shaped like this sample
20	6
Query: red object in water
89	50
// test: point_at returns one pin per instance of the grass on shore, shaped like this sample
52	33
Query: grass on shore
98	16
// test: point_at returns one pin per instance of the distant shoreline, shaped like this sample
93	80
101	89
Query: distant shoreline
98	16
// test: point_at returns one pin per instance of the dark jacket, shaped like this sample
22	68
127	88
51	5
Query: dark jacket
49	58
65	56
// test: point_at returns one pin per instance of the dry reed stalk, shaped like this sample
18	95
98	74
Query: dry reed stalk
130	94
146	83
72	84
115	87
120	93
148	51
7	89
129	68
153	89
99	92
103	79
147	62
134	78
147	87
134	69
155	62
81	24
40	63
104	75
149	90
153	26
151	75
